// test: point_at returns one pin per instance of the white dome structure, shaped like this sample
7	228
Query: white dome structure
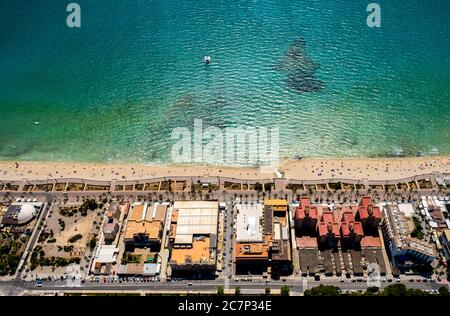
26	214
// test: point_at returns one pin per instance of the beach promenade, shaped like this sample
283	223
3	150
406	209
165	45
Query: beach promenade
320	179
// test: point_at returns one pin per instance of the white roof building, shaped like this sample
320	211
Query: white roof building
195	218
106	254
249	223
151	269
407	209
21	213
26	213
399	236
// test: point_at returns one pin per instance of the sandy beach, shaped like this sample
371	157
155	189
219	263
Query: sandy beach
305	169
365	168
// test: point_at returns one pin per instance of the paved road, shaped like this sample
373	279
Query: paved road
164	251
228	245
17	286
41	219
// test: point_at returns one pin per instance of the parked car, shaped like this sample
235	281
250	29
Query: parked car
39	282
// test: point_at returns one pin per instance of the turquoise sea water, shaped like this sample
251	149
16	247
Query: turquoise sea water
114	89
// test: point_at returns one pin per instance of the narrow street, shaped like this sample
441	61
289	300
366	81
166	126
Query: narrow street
228	244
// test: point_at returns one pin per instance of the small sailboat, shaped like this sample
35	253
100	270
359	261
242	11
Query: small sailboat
207	59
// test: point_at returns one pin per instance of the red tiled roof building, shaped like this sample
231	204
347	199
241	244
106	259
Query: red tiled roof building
369	215
328	230
306	217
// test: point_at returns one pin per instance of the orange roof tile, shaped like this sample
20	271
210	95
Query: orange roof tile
346	228
198	253
251	251
175	216
137	212
370	241
325	228
301	212
306	242
152	229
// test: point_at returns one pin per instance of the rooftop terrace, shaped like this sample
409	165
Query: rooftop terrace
249	223
198	253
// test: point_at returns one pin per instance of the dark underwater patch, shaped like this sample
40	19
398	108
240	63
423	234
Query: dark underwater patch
300	69
16	151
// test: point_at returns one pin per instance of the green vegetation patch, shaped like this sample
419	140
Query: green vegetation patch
89	204
128	257
45	235
11	249
417	232
285	290
38	259
75	238
269	186
323	290
92	243
391	290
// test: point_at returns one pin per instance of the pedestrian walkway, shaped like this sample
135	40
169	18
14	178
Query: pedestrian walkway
304	284
74	275
227	284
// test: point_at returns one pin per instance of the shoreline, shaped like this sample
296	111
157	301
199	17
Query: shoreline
302	169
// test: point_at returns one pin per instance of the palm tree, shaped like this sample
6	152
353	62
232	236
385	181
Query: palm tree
285	290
